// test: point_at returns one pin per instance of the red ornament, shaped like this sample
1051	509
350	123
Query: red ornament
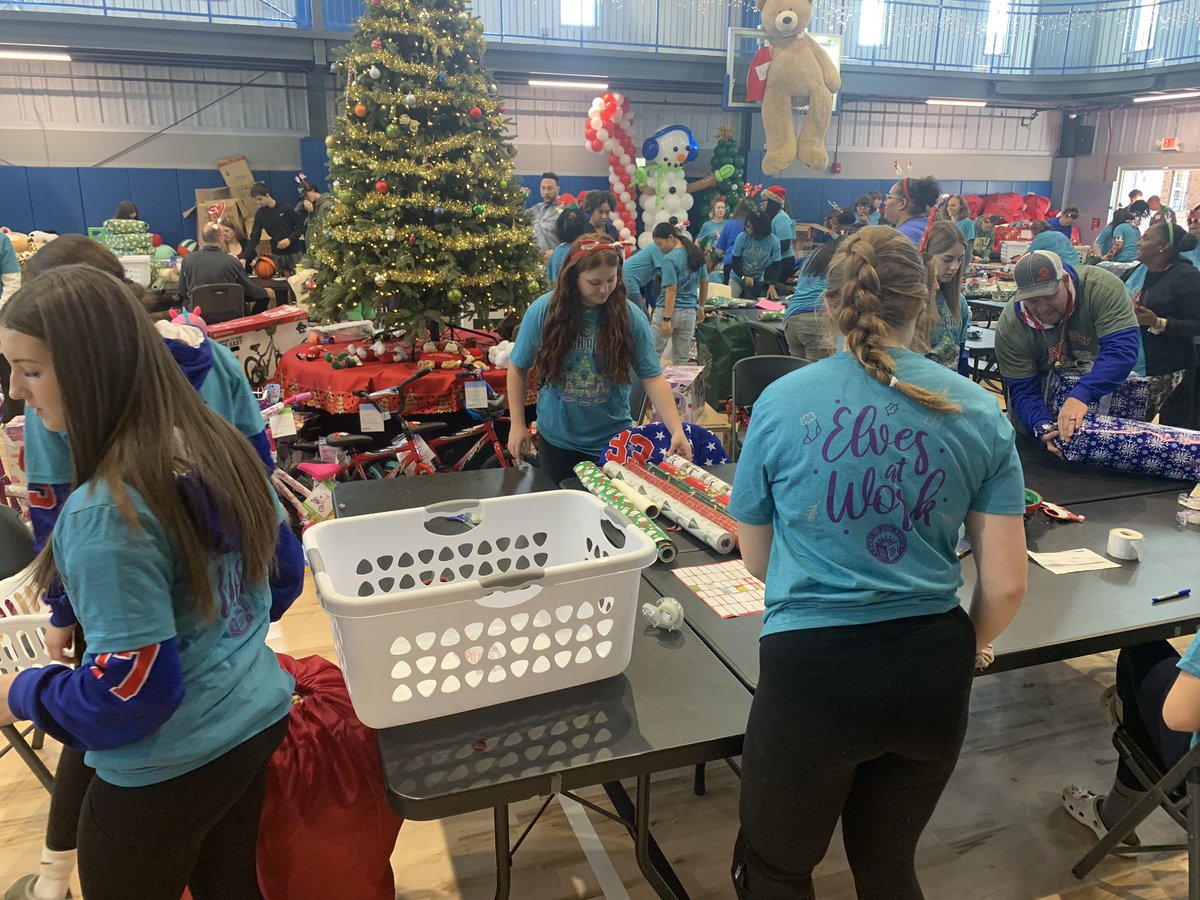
381	187
310	285
360	110
475	113
500	107
377	43
412	239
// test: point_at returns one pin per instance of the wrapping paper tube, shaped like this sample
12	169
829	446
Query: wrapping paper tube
721	540
597	483
696	498
647	506
716	486
693	482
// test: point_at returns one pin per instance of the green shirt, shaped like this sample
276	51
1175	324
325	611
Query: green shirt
1101	308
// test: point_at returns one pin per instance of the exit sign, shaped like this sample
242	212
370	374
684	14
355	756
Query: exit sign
1170	143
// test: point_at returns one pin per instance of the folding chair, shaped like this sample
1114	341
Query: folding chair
1177	792
751	376
22	646
218	302
768	341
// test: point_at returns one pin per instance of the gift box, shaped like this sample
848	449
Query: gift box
131	244
125	226
1136	447
687	387
1128	401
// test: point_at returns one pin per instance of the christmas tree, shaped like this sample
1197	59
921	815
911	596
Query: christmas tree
732	188
428	226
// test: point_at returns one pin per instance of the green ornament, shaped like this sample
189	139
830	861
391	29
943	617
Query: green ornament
477	209
393	130
478	158
454	295
345	196
533	285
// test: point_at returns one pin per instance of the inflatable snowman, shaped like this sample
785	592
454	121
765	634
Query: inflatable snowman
668	198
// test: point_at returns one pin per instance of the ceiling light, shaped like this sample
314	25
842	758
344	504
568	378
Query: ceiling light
974	104
1179	95
582	85
35	55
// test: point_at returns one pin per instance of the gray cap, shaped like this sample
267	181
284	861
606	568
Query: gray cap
1038	274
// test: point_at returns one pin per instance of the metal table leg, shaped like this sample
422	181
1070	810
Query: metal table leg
23	750
503	854
698	786
650	858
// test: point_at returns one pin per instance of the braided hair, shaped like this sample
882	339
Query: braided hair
878	283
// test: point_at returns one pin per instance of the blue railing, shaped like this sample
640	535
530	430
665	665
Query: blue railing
986	36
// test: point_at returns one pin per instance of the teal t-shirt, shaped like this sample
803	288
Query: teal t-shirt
224	389
715	276
709	232
947	336
967	227
875	217
783	226
757	253
585	409
866	490
638	271
1134	282
1131	236
1056	242
555	263
809	295
129	589
9	264
676	271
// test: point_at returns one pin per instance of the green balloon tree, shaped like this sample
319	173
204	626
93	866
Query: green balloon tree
732	187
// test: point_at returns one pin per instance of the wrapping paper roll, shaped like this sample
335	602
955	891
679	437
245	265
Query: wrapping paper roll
697	499
600	485
647	506
717	487
694	523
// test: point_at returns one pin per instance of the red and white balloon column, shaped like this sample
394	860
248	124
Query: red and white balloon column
610	127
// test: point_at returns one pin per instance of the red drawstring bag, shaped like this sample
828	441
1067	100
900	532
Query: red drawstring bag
326	828
1036	207
1010	206
974	205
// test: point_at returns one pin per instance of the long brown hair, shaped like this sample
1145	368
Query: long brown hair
942	238
878	283
134	421
614	346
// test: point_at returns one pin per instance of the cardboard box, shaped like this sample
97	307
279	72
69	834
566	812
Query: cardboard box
687	386
259	341
213	203
235	172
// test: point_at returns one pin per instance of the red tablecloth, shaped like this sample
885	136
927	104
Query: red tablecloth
436	394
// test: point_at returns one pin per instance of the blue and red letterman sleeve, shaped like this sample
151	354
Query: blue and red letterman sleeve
1025	397
111	700
45	504
287	575
1118	354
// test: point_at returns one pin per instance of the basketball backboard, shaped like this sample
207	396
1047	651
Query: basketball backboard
743	46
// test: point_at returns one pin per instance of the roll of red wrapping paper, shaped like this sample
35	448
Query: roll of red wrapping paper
686	496
701	501
717	487
689	479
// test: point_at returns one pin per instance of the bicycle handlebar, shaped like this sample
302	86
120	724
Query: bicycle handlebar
395	389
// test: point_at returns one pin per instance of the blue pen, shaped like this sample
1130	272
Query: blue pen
1186	592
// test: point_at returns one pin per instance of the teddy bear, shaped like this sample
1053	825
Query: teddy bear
799	68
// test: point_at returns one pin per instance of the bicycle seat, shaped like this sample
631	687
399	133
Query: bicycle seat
349	441
319	471
426	427
305	446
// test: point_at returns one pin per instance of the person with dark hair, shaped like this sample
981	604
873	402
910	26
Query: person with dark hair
1118	240
852	578
985	237
1165	290
1046	237
1061	318
1138	209
212	265
544	215
755	259
908	206
843	221
959	212
217	377
570	226
945	254
166	548
586	341
729	235
1134	196
806	326
863	207
312	207
598	207
783	226
684	292
1066	220
876	216
281	223
126	210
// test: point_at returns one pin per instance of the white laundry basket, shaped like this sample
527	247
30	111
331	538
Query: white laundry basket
470	603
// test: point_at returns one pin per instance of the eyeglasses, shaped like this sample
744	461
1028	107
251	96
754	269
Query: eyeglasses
894	197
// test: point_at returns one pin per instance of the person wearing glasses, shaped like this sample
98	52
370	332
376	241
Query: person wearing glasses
1061	318
908	203
1066	221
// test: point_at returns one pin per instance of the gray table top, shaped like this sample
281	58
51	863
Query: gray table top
1063	616
615	728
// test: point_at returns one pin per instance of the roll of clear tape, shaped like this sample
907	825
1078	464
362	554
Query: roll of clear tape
1125	543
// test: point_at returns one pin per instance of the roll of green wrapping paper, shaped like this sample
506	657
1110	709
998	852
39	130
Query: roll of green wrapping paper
601	485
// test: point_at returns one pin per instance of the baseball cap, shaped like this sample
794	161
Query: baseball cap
1037	274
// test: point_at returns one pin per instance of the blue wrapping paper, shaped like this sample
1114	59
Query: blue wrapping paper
1127	402
1136	447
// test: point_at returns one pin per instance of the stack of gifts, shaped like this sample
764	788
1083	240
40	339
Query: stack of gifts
128	237
1127	402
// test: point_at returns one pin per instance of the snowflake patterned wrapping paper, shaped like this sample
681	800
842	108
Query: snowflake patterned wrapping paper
1126	402
1136	447
602	486
126	226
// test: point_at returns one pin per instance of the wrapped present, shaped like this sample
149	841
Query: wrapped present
125	226
687	387
1128	401
1136	447
131	244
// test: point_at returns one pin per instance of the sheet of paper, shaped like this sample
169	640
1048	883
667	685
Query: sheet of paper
770	305
476	394
1064	562
283	424
727	587
369	418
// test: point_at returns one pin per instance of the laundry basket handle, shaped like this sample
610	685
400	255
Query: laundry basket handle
447	507
512	589
512	581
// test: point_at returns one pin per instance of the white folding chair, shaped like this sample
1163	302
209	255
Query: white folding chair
22	646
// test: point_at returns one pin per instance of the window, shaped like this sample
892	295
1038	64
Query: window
578	13
1143	22
872	23
996	38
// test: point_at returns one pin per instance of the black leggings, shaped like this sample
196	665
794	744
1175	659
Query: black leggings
198	831
557	463
1145	675
71	781
862	723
